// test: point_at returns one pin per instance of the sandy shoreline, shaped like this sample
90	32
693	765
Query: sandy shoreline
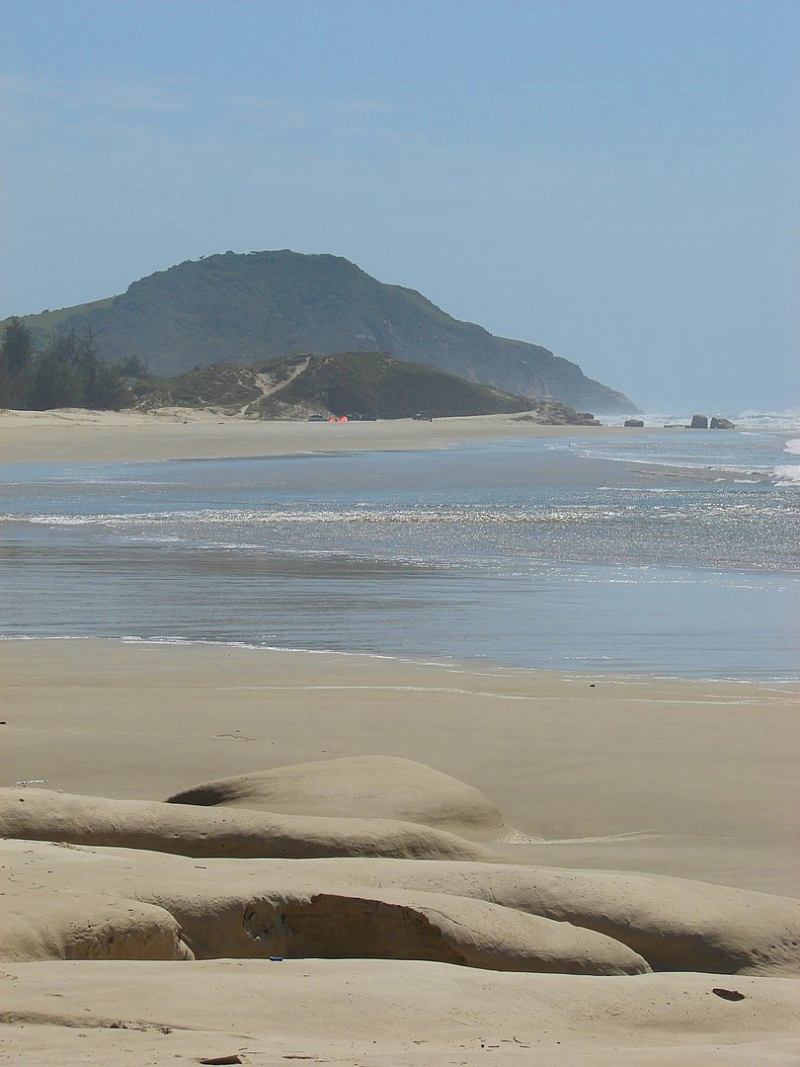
125	955
77	436
464	860
589	768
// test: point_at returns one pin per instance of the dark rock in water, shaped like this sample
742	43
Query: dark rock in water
637	423
699	422
718	423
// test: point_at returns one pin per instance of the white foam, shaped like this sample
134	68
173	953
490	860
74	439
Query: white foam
769	420
640	488
788	474
464	514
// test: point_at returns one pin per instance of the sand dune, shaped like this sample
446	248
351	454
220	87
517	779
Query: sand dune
41	815
374	787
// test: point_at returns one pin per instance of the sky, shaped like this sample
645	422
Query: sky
614	180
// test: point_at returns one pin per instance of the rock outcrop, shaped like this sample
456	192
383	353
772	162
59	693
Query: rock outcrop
701	422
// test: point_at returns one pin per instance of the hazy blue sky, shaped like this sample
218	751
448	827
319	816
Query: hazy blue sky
615	180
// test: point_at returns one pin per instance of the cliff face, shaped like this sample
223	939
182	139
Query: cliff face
247	308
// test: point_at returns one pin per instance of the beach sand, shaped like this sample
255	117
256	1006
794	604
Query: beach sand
691	778
570	784
467	861
79	436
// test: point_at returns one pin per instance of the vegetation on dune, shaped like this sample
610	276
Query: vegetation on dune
247	308
66	372
356	384
374	384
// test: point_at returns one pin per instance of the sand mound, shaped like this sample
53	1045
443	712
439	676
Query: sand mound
365	787
42	815
80	926
391	924
673	924
182	910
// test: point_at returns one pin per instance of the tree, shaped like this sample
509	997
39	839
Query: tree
68	372
52	382
108	389
133	367
17	347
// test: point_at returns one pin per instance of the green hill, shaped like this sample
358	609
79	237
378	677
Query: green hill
358	384
249	308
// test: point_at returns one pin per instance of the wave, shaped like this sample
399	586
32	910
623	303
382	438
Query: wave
750	419
635	489
788	475
677	463
462	515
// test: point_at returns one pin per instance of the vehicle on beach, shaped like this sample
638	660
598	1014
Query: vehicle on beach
316	417
423	416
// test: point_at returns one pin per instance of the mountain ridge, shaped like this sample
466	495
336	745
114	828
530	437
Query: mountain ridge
250	307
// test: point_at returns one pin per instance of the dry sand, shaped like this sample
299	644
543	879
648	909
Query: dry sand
697	779
387	1014
76	436
113	944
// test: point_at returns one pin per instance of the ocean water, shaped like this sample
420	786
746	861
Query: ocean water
674	553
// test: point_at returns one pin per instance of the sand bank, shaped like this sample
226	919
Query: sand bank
77	436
